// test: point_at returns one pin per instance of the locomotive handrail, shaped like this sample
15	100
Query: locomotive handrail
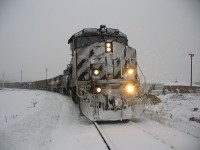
143	77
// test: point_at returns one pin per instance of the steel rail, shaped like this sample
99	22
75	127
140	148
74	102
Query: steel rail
106	141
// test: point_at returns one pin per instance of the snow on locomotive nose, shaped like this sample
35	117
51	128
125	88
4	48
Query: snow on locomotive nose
103	77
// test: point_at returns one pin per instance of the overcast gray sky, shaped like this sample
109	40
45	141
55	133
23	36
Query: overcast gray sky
34	34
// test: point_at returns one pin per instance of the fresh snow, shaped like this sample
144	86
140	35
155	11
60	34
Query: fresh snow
175	111
54	122
145	134
34	119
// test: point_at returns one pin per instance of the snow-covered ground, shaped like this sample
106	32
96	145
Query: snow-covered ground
175	110
54	123
33	119
146	134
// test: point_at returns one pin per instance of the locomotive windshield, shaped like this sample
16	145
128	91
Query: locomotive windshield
82	41
86	40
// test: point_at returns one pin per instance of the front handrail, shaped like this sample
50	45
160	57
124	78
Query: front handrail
143	77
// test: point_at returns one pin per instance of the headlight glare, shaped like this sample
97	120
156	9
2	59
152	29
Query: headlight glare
130	88
130	71
96	72
98	90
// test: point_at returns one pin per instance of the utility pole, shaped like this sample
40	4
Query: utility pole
21	75
21	80
3	80
191	55
46	78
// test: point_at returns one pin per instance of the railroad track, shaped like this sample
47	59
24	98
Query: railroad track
144	134
130	129
104	138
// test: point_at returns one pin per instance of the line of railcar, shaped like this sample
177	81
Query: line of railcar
55	84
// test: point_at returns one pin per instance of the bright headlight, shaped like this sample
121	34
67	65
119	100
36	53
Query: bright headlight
98	90
109	47
96	72
130	88
130	71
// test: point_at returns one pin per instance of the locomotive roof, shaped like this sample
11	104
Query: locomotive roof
98	31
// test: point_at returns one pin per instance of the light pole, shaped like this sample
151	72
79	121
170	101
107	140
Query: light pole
46	78
21	75
3	80
21	79
191	55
